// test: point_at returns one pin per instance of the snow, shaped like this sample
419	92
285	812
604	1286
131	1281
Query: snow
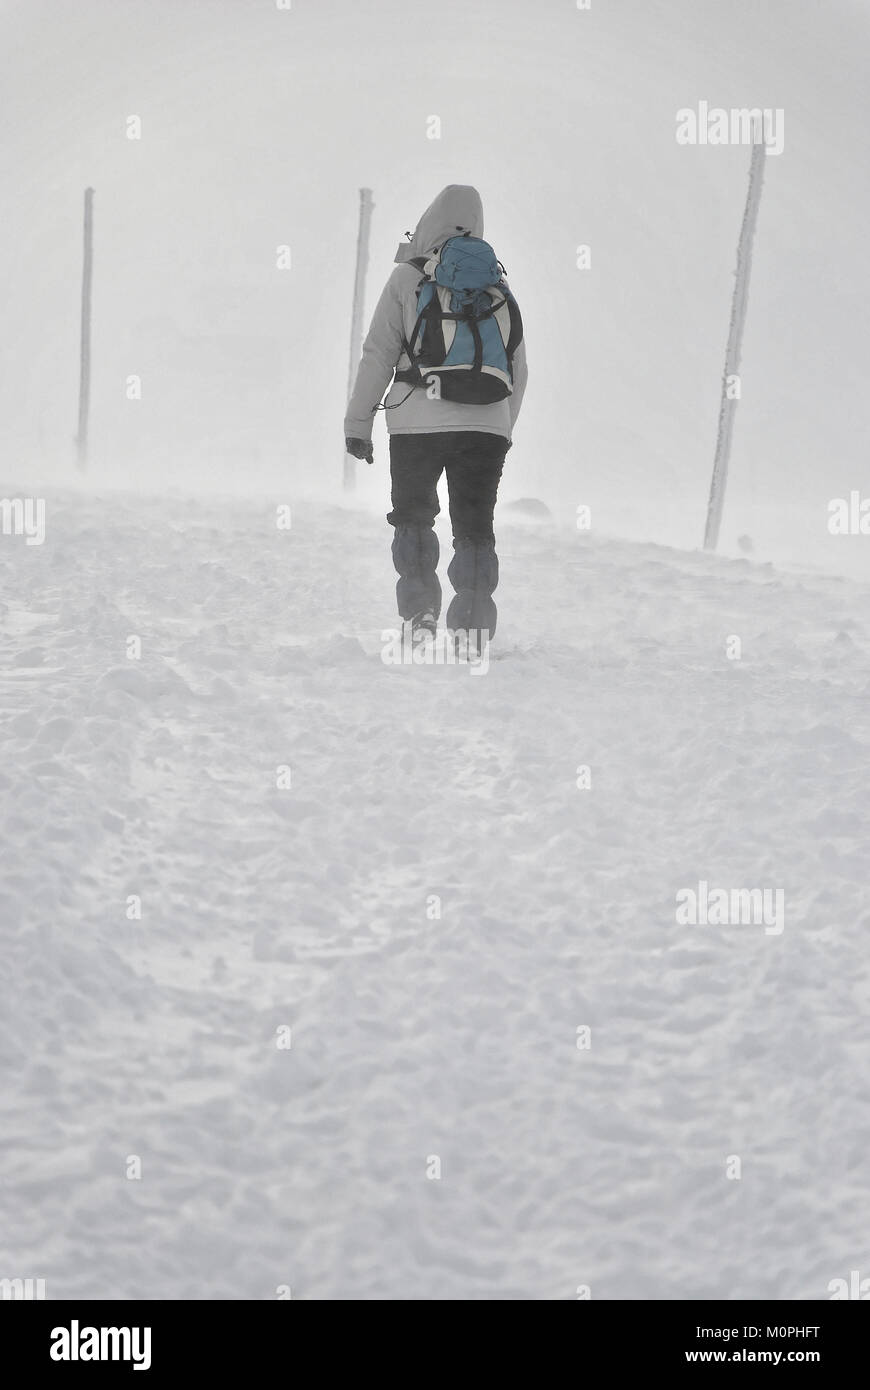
413	1035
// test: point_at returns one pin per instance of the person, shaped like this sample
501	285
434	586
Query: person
430	434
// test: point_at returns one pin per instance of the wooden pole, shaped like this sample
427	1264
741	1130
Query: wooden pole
739	302
85	368
356	326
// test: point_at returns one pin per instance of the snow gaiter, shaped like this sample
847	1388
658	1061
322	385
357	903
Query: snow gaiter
473	572
415	556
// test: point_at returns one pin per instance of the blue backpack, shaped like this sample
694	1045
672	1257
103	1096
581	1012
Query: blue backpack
468	324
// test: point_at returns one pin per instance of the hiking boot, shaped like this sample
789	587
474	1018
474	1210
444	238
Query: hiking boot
424	622
470	644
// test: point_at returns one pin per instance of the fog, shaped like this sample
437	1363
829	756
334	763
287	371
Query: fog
258	127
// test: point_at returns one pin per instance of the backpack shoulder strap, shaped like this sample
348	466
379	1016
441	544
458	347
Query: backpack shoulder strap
515	336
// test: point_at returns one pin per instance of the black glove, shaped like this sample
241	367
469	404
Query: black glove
360	448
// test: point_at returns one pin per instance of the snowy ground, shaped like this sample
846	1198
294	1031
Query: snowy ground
414	1036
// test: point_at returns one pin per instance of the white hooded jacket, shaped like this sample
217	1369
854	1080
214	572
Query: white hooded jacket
456	209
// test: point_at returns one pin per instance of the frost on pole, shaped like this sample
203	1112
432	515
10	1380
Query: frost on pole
85	353
356	326
739	302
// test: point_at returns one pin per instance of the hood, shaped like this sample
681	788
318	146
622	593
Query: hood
456	209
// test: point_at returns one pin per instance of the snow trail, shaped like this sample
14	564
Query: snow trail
309	907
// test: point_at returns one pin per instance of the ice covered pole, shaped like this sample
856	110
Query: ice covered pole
85	352
730	376
356	324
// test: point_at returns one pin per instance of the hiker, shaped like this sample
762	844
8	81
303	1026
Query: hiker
449	328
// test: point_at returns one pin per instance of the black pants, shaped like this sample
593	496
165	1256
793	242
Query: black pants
473	462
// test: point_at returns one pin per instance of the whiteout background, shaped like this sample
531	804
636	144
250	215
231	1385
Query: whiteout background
260	125
414	1037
